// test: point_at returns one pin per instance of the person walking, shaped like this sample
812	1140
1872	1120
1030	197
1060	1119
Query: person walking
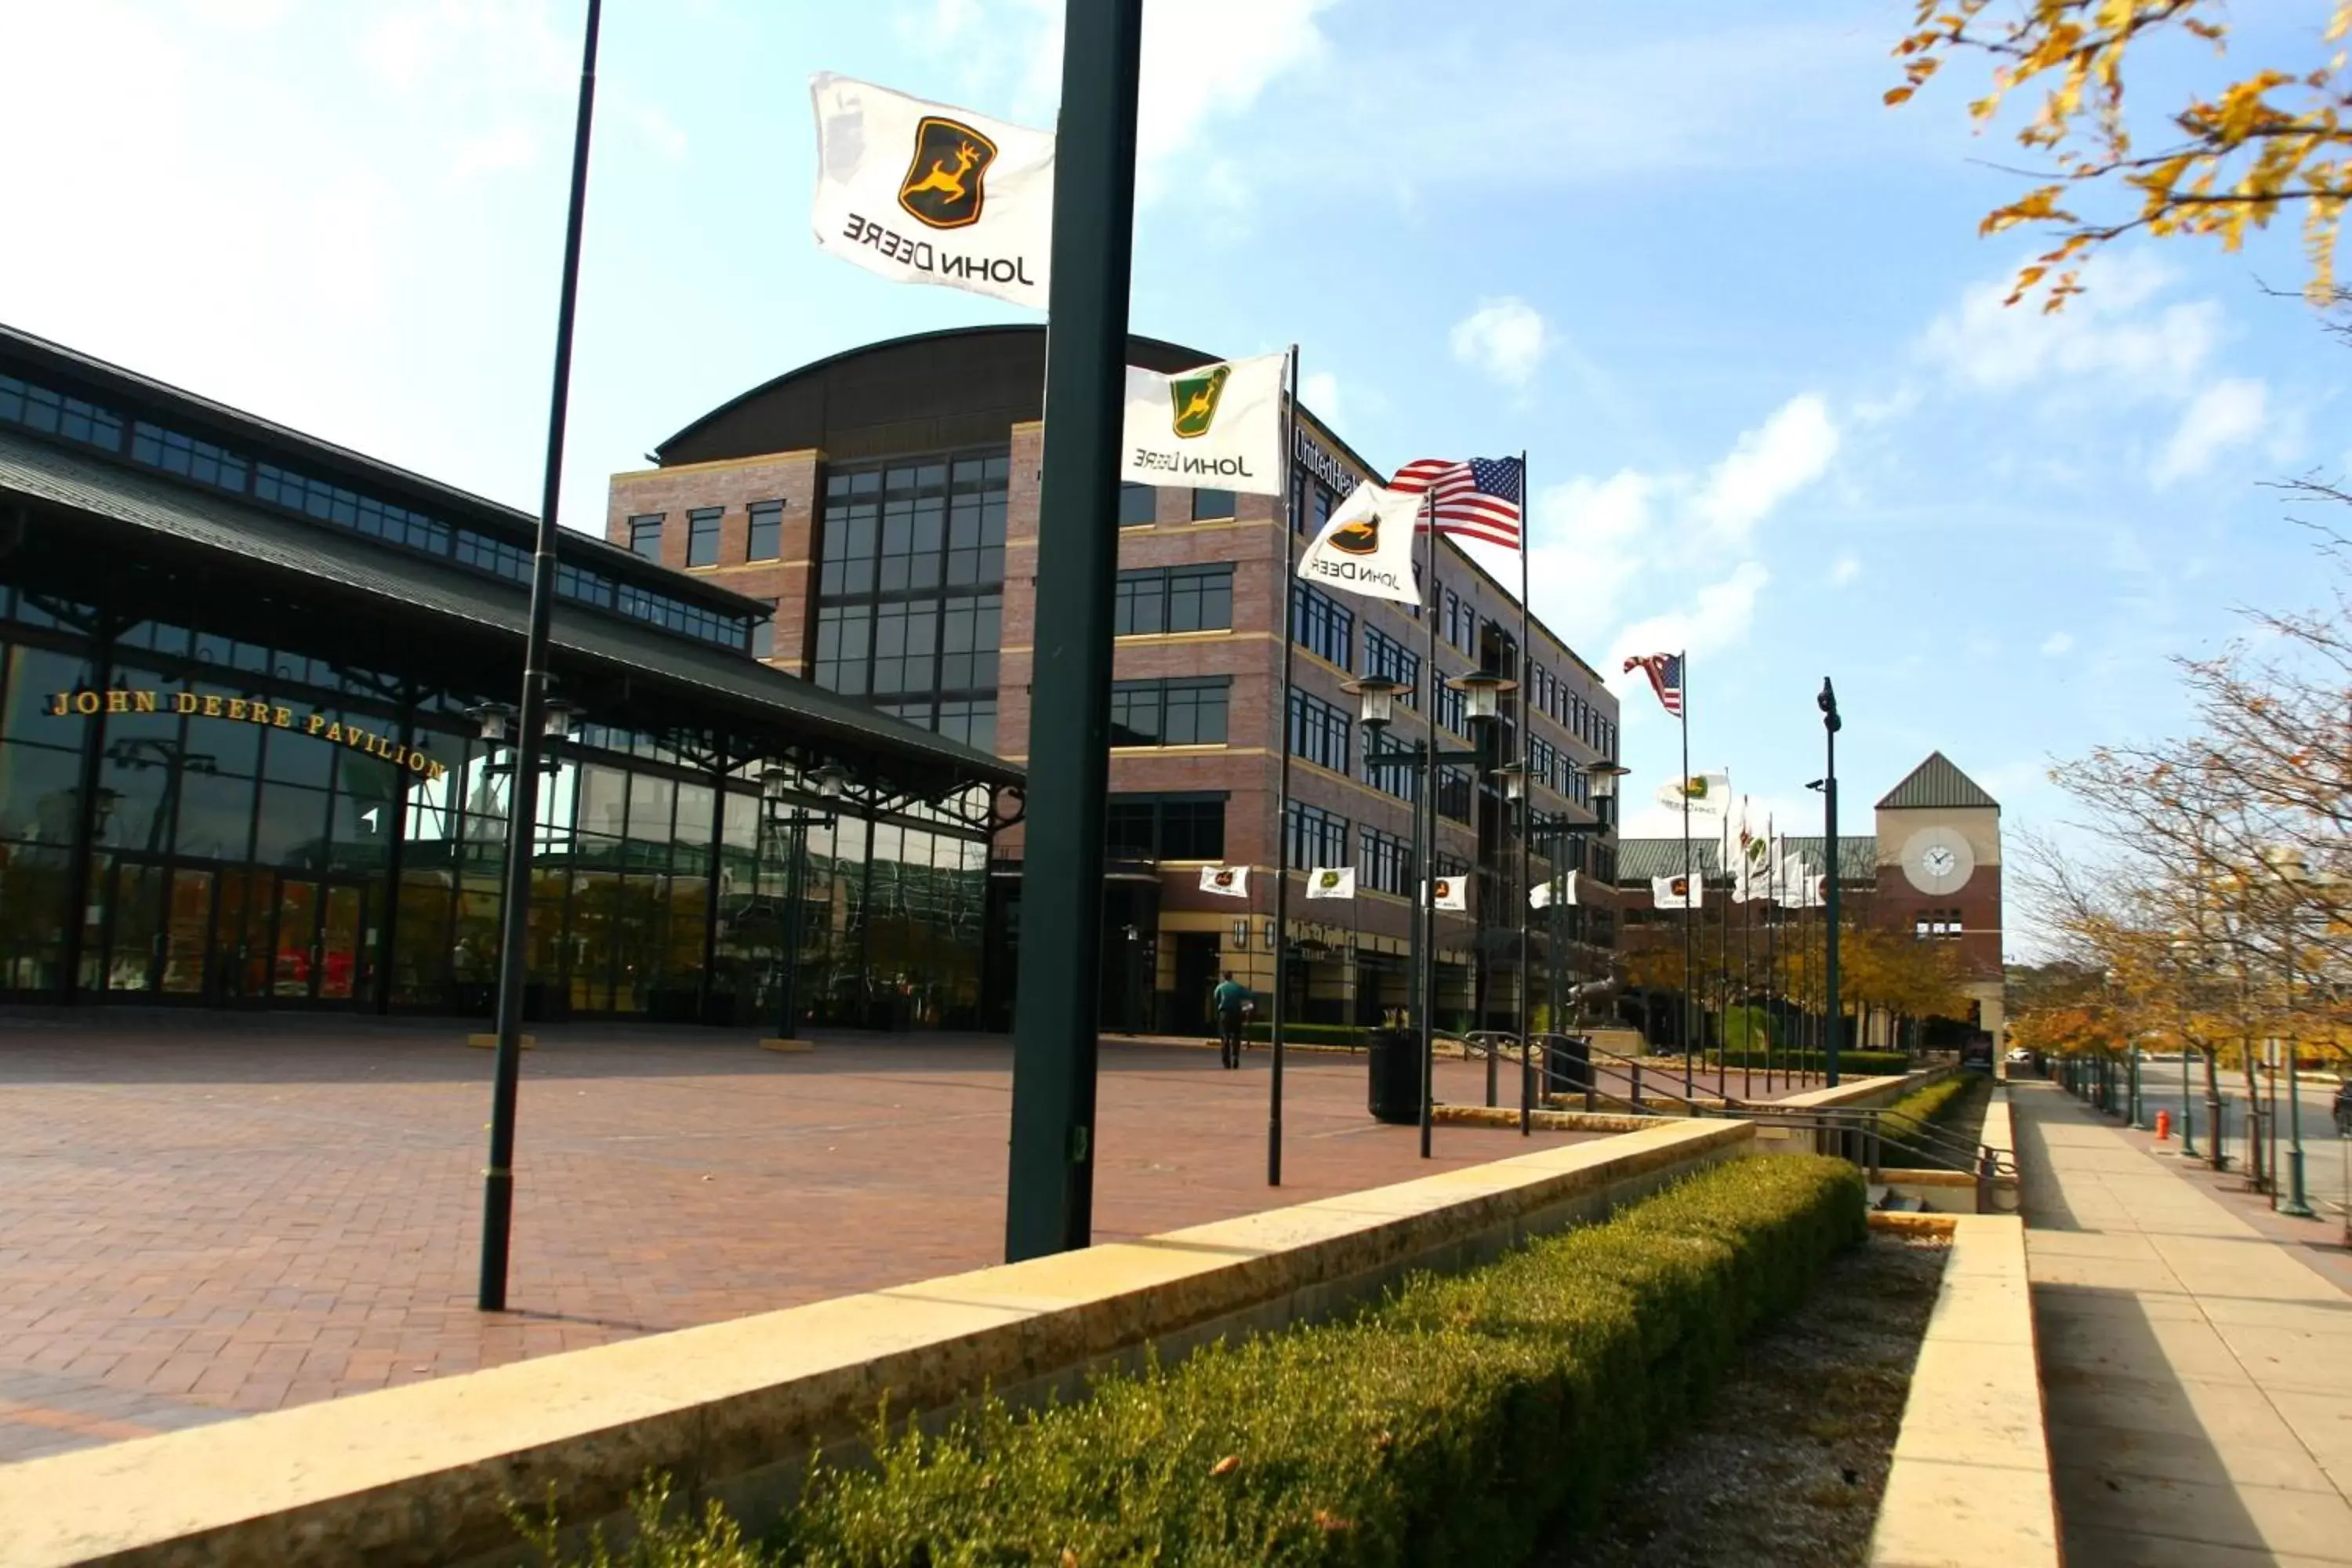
1229	1001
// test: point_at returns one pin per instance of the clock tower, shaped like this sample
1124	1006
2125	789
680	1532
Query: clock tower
1939	874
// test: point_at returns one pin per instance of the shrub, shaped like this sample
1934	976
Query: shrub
1452	1423
1851	1064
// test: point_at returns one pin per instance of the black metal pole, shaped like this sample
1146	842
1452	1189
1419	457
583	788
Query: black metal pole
514	926
1835	1020
1049	1190
1426	912
1690	896
788	1009
1288	588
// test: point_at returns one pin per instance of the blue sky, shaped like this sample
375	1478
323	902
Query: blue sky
1734	309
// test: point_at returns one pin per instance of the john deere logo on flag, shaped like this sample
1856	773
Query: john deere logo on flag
1445	889
1327	879
1224	878
1361	537
945	181
1195	400
1681	887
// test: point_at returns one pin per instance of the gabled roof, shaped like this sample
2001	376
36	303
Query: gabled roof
1639	859
1937	786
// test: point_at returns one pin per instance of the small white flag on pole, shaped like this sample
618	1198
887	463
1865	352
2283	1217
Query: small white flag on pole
1677	892
1331	882
1229	881
1217	427
1453	893
922	193
1709	794
1801	887
1367	547
1560	890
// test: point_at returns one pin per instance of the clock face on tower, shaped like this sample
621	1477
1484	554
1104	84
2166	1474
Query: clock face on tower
1937	860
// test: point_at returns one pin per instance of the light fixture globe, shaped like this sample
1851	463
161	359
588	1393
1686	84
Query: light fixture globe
830	780
1482	692
557	717
493	720
1513	778
1603	777
1376	698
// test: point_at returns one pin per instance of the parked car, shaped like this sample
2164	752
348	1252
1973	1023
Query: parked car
2020	1057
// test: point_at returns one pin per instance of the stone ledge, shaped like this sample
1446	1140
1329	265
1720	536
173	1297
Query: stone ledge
1549	1120
1970	1484
421	1474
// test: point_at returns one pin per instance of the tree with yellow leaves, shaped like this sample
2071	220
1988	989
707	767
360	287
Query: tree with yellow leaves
2232	159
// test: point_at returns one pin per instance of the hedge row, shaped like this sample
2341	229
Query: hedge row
1851	1064
1935	1101
1463	1420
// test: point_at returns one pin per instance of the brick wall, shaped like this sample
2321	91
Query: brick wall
734	486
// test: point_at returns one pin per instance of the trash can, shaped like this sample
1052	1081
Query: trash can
1395	1088
1568	1064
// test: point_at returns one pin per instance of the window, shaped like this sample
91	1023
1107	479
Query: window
1167	826
1318	731
349	509
1449	709
766	540
1318	837
38	408
1138	505
910	573
1395	773
1321	625
763	634
1183	712
1384	655
1936	924
177	454
1453	795
1385	861
1543	762
498	555
1211	505
645	534
1299	483
1174	599
970	720
702	536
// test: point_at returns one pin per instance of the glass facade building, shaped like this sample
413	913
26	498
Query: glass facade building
239	764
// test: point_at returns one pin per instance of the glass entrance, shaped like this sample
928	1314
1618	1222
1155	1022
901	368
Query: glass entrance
187	933
324	949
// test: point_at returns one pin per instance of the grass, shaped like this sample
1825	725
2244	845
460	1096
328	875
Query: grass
1447	1423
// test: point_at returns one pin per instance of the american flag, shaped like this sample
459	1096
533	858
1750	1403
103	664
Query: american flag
1665	673
1479	498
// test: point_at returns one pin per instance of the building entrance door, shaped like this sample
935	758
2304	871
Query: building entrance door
321	951
1196	976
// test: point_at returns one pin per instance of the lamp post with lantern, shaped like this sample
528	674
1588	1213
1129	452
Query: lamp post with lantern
1562	829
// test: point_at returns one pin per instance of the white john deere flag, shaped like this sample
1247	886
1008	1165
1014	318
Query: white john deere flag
1709	794
1217	427
1677	892
1367	547
1331	882
1799	886
922	193
1232	882
1453	893
1560	890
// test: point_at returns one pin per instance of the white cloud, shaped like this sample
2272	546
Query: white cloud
1590	535
1789	452
2115	332
2226	414
1203	60
1846	570
501	150
1319	389
2057	644
1717	617
659	130
1503	339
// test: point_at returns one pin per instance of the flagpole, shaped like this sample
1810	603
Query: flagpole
1426	912
1527	808
1289	528
1723	953
1690	969
1748	966
1773	986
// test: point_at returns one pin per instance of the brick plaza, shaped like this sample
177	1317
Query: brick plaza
212	1215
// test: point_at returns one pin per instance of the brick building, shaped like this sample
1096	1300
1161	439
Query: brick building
884	500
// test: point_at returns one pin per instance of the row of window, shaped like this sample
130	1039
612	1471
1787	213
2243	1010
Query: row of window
1936	924
1174	826
44	409
1138	505
1321	625
1316	836
918	646
1318	731
763	538
1174	599
1170	713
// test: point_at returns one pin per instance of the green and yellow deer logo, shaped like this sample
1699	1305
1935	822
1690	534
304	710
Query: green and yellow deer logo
1195	399
944	185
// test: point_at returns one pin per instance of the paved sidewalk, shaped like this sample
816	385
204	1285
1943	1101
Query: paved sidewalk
2199	1377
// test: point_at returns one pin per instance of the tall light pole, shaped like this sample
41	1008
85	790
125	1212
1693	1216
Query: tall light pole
1049	1187
514	926
1833	1025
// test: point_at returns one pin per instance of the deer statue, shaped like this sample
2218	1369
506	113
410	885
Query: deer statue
949	185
